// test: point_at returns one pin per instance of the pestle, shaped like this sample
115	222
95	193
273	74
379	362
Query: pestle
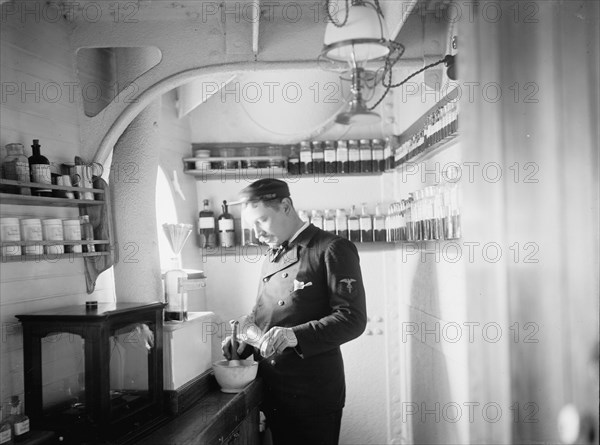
235	358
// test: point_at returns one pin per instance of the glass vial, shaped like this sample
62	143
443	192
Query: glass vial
207	235
366	156
379	232
353	157
15	166
366	225
306	166
378	147
341	223
353	226
318	158
341	157
226	228
330	158
329	222
294	161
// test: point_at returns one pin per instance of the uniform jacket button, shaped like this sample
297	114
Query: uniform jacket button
284	275
273	362
281	302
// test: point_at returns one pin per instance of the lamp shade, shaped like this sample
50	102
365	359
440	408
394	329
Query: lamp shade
362	38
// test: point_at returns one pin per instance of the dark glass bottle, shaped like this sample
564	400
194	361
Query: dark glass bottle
294	161
353	226
207	235
366	225
39	167
226	228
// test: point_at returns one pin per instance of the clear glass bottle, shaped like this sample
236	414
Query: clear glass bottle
207	235
377	145
19	421
316	219
306	166
353	226
353	157
318	158
341	223
341	157
388	155
329	222
5	430
379	232
87	233
39	167
366	225
15	166
226	228
366	156
330	158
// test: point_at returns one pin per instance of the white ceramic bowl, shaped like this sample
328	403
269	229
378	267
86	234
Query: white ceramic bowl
233	376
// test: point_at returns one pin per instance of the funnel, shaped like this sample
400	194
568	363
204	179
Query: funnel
177	234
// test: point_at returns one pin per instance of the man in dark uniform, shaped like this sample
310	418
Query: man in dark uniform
310	300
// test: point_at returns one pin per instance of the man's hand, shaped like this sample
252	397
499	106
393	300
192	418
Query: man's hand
226	347
276	340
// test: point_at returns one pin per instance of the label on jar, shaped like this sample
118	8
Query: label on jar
329	225
305	156
353	224
41	173
5	436
317	155
21	427
353	155
329	155
365	154
342	154
225	224
366	223
378	155
206	222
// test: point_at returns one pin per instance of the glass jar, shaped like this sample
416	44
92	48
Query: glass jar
15	166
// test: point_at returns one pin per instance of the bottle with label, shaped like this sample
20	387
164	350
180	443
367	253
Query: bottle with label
207	235
341	157
329	222
226	228
378	155
388	155
317	219
353	226
366	156
87	233
379	231
19	421
5	430
294	161
341	223
353	157
330	159
366	225
39	167
318	158
306	166
15	166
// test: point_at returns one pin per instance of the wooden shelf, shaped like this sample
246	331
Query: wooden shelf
7	185
50	257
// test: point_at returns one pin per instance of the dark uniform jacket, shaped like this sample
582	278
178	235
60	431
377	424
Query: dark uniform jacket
315	288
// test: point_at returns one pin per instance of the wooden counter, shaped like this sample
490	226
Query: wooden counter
216	418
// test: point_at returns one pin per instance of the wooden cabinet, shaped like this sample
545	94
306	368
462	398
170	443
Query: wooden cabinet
246	433
98	209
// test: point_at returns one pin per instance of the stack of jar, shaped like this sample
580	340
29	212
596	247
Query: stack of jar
13	230
439	125
358	228
333	157
18	167
431	213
